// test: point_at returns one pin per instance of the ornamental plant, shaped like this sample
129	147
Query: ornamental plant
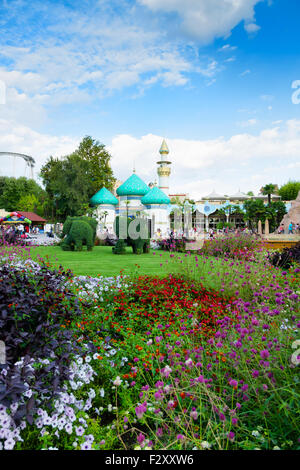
238	246
32	306
287	257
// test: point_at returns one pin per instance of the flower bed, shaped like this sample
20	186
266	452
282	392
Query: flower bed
203	361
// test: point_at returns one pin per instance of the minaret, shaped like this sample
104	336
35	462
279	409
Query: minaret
164	169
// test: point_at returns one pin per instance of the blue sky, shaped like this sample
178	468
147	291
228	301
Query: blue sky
213	77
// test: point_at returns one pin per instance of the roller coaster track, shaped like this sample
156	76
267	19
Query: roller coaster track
30	162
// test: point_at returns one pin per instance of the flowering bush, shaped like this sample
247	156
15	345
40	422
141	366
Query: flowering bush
286	257
10	237
201	361
38	351
172	244
239	246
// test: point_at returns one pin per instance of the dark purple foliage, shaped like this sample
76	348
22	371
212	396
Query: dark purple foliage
32	309
287	257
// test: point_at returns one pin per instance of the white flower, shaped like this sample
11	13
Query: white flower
117	381
189	363
205	445
255	433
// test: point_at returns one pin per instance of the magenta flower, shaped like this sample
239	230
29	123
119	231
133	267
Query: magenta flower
264	354
233	383
140	438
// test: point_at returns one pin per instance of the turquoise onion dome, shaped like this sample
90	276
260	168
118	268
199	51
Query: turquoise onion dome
133	186
103	197
155	196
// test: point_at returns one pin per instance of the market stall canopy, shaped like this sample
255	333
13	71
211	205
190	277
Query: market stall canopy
15	218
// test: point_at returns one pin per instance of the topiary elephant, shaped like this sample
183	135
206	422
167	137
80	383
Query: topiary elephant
79	233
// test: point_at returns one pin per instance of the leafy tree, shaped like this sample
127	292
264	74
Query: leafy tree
250	193
98	168
71	181
29	203
268	190
256	210
12	190
289	191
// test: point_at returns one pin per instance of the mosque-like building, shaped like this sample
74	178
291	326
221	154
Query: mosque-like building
135	198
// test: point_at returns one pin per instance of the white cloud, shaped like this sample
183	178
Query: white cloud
252	28
22	139
249	123
243	160
246	72
227	48
206	20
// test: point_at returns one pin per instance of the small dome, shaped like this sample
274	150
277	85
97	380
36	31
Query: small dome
133	186
103	197
155	196
239	196
214	197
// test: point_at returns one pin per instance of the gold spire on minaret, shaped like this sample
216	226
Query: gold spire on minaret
164	148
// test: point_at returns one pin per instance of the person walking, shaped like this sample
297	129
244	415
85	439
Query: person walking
291	228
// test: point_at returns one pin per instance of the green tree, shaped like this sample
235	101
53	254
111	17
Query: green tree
256	210
268	190
13	189
29	203
71	181
289	191
98	168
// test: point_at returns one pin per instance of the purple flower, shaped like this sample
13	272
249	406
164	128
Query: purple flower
140	410
140	438
264	354
79	431
233	383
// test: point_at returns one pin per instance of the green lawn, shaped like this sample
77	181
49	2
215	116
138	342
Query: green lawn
102	262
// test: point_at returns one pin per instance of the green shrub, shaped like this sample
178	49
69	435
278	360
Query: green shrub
79	231
140	245
120	248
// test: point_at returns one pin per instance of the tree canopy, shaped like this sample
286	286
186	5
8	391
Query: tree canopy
21	194
71	181
268	190
289	191
256	210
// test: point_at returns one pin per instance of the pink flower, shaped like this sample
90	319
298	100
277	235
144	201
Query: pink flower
140	438
264	354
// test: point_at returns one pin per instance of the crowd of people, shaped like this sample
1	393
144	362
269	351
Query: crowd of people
293	228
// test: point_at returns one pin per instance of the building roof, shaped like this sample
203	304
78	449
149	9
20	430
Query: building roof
214	196
265	196
155	196
32	216
133	186
164	148
239	196
103	196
